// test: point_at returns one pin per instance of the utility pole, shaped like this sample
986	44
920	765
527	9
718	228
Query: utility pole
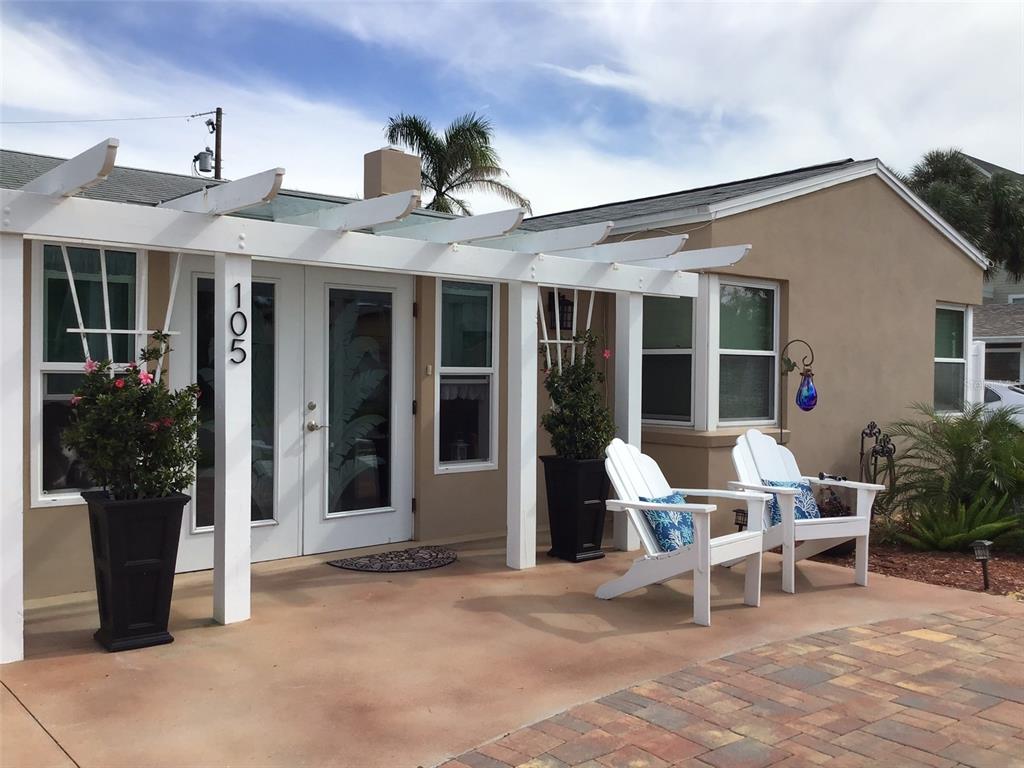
216	139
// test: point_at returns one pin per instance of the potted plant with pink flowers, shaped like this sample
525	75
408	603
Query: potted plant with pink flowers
138	441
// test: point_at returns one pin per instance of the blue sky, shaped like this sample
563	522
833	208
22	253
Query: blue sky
591	101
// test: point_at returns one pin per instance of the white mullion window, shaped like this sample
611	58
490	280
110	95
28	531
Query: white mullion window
951	343
667	389
57	475
466	384
746	356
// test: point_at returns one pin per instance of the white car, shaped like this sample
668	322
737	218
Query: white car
1003	395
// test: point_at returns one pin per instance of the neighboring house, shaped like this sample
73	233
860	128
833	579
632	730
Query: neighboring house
1001	327
844	256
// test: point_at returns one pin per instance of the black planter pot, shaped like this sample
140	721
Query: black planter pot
134	549
577	489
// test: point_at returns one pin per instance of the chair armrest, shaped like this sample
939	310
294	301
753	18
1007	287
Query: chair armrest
619	505
720	494
763	488
846	484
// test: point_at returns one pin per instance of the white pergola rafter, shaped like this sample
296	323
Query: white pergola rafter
77	174
551	240
231	197
629	250
360	214
704	258
466	229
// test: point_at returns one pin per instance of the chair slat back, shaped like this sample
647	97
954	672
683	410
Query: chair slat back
634	475
757	457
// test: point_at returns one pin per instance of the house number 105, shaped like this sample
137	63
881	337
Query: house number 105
239	324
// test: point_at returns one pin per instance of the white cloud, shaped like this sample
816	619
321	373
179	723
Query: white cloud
722	91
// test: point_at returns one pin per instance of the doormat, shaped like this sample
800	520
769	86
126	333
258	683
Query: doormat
414	559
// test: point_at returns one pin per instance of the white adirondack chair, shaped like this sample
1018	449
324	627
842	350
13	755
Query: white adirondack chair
758	457
633	475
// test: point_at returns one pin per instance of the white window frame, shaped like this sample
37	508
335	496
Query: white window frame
965	310
692	352
446	468
1015	298
38	497
715	283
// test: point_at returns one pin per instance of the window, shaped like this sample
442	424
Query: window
747	352
466	394
57	473
1003	362
950	358
1015	298
667	394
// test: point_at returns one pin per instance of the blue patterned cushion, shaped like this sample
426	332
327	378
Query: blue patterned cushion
805	507
672	530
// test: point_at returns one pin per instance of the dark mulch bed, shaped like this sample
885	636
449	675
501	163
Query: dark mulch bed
1005	570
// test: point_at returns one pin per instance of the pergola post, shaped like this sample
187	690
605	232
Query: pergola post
522	425
12	491
629	324
233	446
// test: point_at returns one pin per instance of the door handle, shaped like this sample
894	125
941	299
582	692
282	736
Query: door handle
312	426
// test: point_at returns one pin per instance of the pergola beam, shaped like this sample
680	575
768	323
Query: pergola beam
462	230
361	214
629	250
551	240
100	221
704	258
233	196
80	172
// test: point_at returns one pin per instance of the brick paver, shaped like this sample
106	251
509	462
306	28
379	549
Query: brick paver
937	690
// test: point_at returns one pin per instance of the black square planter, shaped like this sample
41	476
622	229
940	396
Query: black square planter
577	489
134	550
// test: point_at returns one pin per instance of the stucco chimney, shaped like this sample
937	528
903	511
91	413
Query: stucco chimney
389	170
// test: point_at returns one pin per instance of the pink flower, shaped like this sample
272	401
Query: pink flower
167	421
154	426
606	354
132	366
75	400
145	378
91	365
119	383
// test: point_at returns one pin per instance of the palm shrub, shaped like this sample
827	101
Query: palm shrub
954	462
954	528
579	422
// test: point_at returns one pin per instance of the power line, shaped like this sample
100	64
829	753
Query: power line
103	119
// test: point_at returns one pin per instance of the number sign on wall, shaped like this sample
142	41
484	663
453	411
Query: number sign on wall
239	324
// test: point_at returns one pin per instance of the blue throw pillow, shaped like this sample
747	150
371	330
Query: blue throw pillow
805	507
672	530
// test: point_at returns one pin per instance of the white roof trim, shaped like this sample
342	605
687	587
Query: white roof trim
804	187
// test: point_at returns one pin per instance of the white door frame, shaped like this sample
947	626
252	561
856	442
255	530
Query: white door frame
281	537
323	532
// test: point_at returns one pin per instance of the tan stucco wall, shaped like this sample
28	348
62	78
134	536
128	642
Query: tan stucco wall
861	272
58	553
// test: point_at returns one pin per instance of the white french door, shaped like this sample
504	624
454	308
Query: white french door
337	338
358	412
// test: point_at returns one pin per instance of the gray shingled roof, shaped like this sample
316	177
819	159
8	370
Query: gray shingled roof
998	320
990	168
677	201
136	185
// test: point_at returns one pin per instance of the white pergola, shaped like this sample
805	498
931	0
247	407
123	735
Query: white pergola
364	235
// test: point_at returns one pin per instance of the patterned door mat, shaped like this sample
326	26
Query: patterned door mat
396	560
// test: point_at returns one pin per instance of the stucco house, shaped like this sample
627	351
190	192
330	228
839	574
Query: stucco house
841	255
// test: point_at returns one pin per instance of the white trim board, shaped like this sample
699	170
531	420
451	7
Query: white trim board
852	172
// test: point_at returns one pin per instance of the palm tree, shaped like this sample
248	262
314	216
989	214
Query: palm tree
988	211
460	161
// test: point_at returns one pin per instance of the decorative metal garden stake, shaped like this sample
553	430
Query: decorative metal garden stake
982	552
806	393
741	519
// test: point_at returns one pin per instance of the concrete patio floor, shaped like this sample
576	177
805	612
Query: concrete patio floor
338	668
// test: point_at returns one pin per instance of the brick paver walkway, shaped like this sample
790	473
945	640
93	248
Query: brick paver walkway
938	690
